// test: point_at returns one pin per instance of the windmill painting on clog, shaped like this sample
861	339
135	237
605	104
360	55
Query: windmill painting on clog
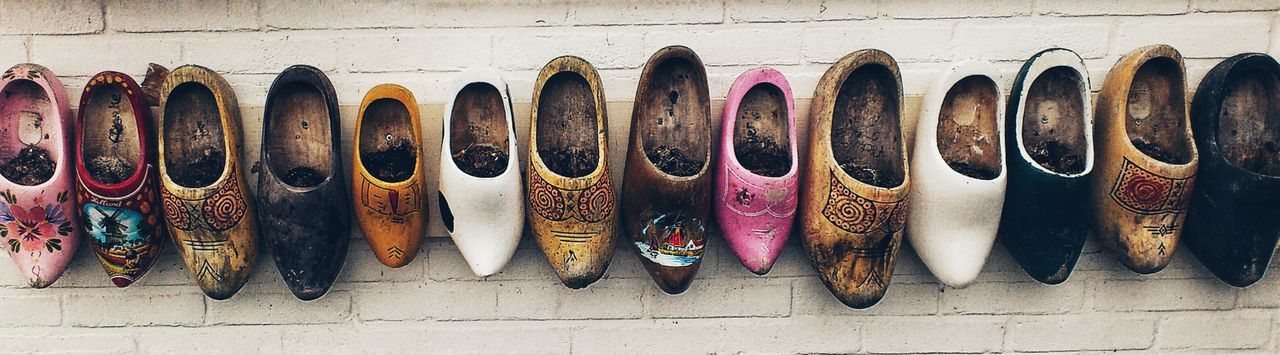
38	224
959	165
302	193
573	213
1234	219
207	204
387	175
1049	137
757	171
1146	162
666	191
118	198
853	201
481	199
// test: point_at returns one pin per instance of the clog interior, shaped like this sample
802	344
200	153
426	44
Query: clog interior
968	135
673	125
1249	124
195	150
761	141
387	146
30	133
1155	112
866	132
110	144
1053	121
568	141
478	131
299	138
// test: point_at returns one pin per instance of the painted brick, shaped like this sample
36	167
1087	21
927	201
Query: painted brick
227	340
382	53
628	12
1154	295
961	334
1215	330
183	306
955	9
706	298
1014	298
1098	331
768	47
314	14
50	17
1247	31
804	10
24	311
1020	39
13	50
823	335
39	340
447	264
548	299
62	54
904	40
273	304
1235	5
516	13
1105	7
603	49
434	300
1262	294
811	297
491	337
260	54
141	16
367	339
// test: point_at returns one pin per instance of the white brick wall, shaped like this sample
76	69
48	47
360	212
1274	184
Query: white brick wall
436	304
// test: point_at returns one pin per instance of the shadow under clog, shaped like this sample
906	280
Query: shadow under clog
387	175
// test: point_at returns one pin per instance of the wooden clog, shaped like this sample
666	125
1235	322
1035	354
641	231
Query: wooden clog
1146	160
958	163
479	169
854	199
118	199
757	170
1234	219
302	191
387	175
37	182
572	205
207	203
1049	137
666	187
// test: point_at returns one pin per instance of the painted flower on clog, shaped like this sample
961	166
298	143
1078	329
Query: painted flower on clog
35	228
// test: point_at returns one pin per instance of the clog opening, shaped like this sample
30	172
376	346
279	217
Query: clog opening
761	138
968	134
299	138
568	141
866	134
1156	112
29	125
478	131
1249	121
195	150
673	126
1053	121
110	144
388	146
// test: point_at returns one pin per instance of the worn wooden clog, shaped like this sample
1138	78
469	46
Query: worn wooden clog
1234	219
302	191
666	189
387	174
958	162
479	169
1049	137
207	203
853	201
757	170
37	181
1146	162
118	199
572	205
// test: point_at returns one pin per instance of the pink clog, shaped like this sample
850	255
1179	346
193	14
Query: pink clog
756	174
37	202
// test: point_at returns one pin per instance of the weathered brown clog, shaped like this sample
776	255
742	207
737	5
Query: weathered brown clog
387	176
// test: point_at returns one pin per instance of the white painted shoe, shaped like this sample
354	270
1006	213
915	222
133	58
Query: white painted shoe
481	197
958	173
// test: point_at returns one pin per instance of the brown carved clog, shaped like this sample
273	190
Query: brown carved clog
387	178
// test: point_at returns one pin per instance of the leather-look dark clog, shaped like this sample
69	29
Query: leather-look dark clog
1146	161
302	193
1049	137
666	188
118	200
1234	219
207	205
853	195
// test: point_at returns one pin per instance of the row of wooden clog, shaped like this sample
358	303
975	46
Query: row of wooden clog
853	202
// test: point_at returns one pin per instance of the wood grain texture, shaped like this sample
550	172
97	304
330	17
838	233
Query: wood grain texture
574	219
852	229
1139	201
213	225
392	214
